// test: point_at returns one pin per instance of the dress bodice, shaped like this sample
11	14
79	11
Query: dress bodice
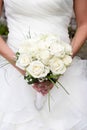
37	16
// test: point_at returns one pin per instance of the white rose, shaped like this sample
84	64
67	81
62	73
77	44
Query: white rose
45	40
25	46
48	37
43	45
57	66
43	37
68	48
24	49
67	60
52	38
23	61
37	69
44	56
34	52
57	50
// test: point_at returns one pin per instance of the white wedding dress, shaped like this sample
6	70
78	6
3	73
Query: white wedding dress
17	108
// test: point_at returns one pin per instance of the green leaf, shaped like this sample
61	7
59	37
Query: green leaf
17	55
30	79
3	29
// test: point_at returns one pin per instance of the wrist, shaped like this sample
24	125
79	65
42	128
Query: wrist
13	59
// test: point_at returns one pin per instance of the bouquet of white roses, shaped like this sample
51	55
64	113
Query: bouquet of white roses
45	57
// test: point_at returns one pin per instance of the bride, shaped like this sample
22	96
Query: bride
17	109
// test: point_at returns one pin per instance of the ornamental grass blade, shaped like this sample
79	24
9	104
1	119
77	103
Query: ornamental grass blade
49	100
63	88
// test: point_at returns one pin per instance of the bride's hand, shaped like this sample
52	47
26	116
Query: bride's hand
43	87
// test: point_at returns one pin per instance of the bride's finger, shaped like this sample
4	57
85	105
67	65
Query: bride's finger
36	88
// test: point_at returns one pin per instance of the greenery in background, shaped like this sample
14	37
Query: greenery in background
3	29
71	32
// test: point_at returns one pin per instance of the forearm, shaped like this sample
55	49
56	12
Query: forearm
80	9
79	39
8	54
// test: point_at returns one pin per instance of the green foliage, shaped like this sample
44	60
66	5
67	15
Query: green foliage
3	29
17	55
30	79
71	32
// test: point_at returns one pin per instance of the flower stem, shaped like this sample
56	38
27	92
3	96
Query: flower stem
49	100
